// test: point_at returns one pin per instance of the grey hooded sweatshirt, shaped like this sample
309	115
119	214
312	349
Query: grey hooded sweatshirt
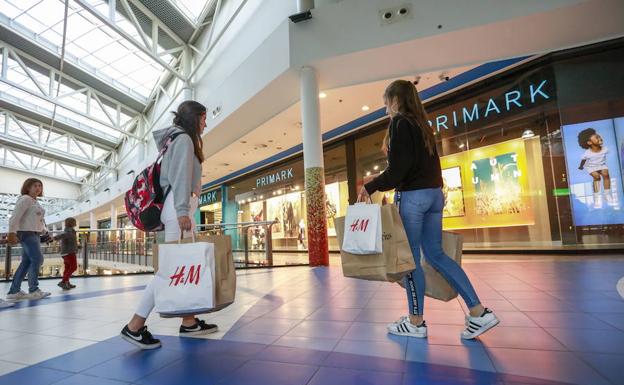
179	169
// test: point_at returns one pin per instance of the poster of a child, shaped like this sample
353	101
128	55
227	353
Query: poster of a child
594	173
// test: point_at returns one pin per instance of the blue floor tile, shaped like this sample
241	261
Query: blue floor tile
81	379
195	369
33	375
135	365
599	341
292	355
610	366
342	376
353	361
270	373
85	358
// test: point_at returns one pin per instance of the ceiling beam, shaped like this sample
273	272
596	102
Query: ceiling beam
43	116
141	45
49	54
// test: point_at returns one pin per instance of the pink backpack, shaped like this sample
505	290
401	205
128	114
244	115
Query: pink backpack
145	200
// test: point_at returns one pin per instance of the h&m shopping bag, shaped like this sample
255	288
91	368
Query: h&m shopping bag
362	229
225	273
185	281
436	286
392	263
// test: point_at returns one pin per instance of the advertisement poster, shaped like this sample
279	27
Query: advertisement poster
487	187
453	193
497	185
332	206
592	153
619	136
286	210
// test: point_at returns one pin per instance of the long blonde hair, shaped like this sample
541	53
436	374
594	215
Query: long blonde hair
410	106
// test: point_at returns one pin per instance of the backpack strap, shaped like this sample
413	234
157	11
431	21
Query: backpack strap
170	138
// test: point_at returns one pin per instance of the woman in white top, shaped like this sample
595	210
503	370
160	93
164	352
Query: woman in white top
26	225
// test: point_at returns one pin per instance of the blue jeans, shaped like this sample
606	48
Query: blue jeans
421	213
31	262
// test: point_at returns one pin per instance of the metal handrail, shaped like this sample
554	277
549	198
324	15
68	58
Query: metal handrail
134	250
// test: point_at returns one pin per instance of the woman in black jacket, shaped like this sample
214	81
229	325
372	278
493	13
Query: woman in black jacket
414	172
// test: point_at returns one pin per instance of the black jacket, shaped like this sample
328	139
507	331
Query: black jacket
410	166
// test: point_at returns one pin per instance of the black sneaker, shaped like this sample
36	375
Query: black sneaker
71	286
142	338
200	327
64	285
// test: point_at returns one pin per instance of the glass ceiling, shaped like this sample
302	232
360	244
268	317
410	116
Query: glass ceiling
191	8
89	40
101	52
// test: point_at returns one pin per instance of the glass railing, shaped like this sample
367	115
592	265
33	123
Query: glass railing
131	251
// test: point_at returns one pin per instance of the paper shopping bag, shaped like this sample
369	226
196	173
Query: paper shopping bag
225	273
436	286
392	263
362	229
185	281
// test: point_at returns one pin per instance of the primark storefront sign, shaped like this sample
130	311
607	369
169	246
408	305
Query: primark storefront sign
521	97
209	197
275	177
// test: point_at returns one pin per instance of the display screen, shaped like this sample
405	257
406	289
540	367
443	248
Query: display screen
453	193
592	153
487	187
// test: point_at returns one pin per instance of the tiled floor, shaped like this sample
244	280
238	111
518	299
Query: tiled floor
562	322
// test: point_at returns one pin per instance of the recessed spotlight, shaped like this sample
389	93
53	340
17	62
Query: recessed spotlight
376	168
461	145
322	95
368	173
365	108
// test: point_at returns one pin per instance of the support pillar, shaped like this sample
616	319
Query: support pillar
318	249
114	225
92	226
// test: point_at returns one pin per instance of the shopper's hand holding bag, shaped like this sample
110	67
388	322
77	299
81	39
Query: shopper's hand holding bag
392	263
185	278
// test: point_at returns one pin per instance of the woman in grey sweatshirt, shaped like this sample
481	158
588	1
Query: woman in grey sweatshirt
180	178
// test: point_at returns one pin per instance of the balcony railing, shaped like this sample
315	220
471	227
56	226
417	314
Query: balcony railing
130	251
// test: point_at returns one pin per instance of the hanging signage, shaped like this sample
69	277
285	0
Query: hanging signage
275	177
210	197
525	95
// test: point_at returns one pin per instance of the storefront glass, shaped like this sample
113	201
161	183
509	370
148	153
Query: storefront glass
516	174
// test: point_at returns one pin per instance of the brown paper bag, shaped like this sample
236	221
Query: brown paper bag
436	286
392	264
225	274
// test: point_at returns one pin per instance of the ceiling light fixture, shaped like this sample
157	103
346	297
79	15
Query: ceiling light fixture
527	134
322	95
365	108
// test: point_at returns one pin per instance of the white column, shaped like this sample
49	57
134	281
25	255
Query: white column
54	227
113	216
311	119
92	221
318	250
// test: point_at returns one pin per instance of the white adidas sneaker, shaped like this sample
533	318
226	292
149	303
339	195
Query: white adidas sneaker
403	327
475	326
5	304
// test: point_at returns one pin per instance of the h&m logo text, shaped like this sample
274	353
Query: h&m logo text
359	225
178	278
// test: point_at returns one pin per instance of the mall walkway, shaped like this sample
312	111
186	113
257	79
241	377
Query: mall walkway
562	322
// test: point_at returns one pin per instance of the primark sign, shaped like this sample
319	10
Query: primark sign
275	177
209	197
516	99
